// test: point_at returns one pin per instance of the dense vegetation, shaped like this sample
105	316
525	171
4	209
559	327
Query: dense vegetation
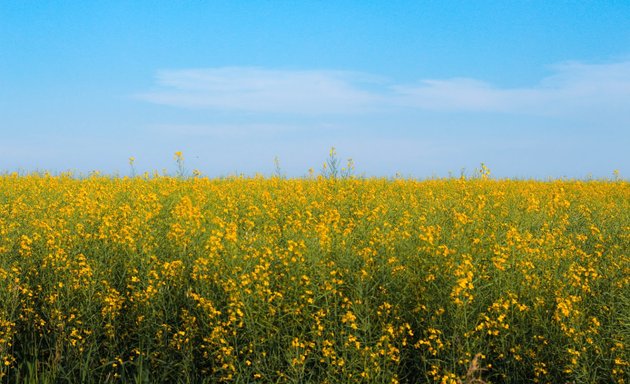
322	279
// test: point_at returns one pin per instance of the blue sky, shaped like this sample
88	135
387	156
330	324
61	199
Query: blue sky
531	88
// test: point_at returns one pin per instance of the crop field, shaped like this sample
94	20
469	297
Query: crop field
315	279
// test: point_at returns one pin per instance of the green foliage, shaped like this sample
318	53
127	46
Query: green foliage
174	279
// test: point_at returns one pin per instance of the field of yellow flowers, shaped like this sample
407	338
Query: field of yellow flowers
252	279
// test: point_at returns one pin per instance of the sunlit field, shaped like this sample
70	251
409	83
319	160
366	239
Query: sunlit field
329	278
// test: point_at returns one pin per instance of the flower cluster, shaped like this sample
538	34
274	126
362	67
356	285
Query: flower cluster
321	279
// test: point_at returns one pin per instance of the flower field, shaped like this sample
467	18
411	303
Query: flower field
172	279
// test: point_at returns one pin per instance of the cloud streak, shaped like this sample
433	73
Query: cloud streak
262	90
572	90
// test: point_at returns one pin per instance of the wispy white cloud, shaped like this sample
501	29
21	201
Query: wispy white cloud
262	90
463	94
572	89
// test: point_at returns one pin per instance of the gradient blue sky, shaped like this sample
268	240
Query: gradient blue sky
531	88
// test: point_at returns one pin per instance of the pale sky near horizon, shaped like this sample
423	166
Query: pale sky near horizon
421	88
